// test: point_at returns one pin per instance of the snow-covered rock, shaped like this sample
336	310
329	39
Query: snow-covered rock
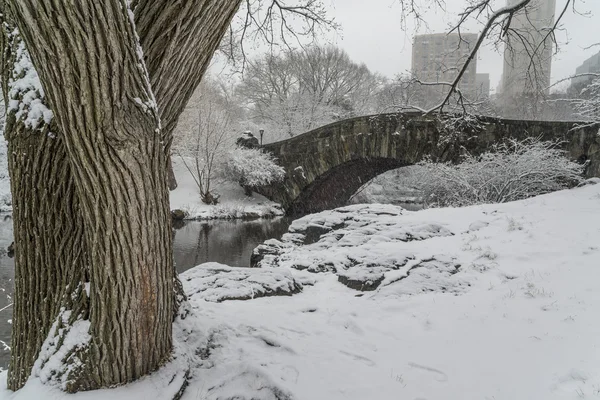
359	243
217	282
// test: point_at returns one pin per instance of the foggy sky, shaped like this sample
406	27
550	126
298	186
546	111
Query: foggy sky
372	33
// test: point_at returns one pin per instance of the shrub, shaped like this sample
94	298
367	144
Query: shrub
512	171
252	168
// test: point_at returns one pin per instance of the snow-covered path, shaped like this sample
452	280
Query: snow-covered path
521	322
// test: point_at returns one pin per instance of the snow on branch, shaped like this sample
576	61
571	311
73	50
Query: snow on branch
587	105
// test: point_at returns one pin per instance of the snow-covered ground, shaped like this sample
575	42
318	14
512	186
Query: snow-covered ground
233	203
484	302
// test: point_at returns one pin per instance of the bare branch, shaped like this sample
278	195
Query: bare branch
275	23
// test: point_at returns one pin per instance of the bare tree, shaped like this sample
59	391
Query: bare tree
201	146
281	24
398	94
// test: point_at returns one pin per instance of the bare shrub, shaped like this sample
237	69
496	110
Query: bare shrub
203	136
512	171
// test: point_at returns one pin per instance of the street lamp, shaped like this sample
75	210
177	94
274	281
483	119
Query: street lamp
261	132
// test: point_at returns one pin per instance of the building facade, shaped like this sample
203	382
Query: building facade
589	66
438	58
528	53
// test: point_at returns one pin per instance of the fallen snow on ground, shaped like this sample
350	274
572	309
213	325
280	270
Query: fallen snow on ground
233	203
361	245
521	324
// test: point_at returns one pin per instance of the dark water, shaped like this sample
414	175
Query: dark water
7	268
226	242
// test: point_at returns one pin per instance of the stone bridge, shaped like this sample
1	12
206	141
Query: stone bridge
326	166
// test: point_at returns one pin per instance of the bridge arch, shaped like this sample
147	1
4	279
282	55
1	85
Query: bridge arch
324	167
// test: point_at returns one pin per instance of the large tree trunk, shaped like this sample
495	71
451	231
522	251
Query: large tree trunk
115	147
179	38
48	230
49	223
172	180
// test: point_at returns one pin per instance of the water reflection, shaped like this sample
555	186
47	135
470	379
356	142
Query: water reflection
227	242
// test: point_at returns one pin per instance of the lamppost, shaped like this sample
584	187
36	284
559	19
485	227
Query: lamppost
261	132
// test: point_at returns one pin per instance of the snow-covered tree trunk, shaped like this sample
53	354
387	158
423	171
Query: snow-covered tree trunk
47	222
133	238
46	280
115	147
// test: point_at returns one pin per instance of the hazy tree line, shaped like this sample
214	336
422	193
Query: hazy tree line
291	92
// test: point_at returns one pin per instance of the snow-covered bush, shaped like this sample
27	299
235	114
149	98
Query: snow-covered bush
511	171
252	168
587	105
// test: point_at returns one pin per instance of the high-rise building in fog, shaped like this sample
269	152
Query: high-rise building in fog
589	66
527	56
438	57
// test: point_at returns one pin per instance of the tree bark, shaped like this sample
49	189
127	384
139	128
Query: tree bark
179	39
48	231
45	199
47	279
86	54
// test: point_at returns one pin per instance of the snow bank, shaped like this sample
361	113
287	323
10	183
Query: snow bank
233	203
5	195
520	322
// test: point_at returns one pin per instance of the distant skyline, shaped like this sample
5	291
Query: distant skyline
373	34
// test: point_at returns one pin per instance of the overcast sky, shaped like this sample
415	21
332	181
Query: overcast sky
372	33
